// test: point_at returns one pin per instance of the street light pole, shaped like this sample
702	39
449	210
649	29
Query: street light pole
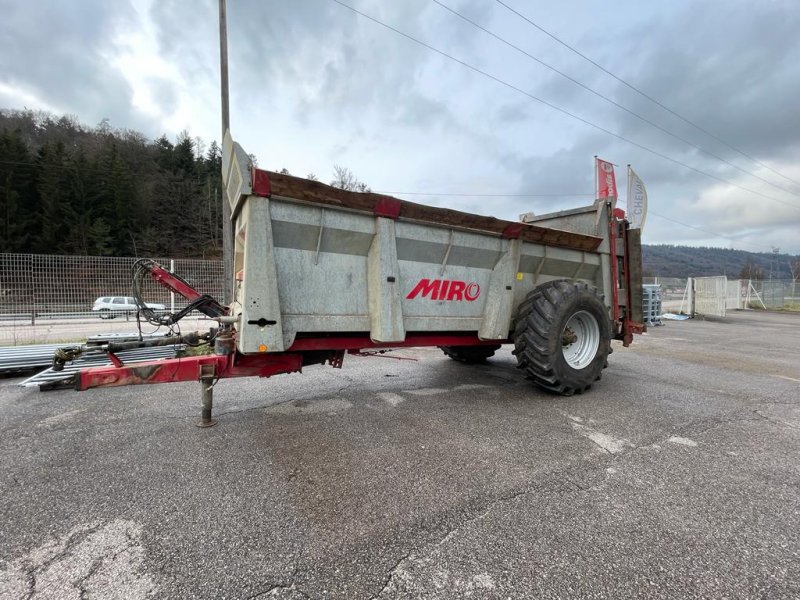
227	226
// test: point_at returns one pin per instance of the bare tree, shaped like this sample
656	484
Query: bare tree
344	179
794	268
199	147
751	270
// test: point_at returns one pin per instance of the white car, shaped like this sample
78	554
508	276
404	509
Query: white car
108	305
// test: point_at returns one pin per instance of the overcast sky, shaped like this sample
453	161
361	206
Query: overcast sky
314	84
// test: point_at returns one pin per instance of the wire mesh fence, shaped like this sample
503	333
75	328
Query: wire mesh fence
771	294
763	294
41	287
774	293
673	292
672	288
40	294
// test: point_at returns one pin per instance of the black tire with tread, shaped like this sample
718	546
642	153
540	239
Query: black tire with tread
470	354
538	333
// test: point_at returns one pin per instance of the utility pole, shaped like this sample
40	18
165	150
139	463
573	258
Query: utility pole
227	226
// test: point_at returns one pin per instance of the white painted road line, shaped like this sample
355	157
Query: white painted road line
391	398
607	442
675	439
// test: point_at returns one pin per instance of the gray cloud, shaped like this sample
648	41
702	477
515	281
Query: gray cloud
59	53
313	84
164	93
512	112
736	74
328	58
730	67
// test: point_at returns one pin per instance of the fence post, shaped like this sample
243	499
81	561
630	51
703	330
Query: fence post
32	284
172	294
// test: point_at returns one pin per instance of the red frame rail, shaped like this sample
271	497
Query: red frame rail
304	352
626	326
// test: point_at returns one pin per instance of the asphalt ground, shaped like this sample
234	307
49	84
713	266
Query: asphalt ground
676	476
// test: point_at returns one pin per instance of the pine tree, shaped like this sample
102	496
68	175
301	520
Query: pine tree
68	188
51	184
18	199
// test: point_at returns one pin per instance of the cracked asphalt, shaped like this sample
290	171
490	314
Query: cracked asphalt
677	475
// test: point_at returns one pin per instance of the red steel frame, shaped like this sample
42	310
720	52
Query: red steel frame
627	326
187	369
174	284
613	227
254	365
412	340
266	365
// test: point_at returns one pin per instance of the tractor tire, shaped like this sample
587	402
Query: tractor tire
470	354
562	336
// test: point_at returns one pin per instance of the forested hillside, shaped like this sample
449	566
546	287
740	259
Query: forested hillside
685	261
69	189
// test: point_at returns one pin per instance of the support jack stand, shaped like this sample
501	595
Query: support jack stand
207	386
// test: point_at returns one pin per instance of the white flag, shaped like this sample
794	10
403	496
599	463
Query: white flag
637	200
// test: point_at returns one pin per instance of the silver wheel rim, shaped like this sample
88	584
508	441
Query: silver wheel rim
580	339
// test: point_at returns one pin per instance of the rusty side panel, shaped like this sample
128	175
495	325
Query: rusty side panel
634	284
318	193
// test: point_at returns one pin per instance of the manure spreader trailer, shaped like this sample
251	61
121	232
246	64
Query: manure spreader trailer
320	272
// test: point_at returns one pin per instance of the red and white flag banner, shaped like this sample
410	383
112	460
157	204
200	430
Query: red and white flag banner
606	181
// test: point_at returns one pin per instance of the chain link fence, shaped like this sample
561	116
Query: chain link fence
40	290
772	294
673	292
